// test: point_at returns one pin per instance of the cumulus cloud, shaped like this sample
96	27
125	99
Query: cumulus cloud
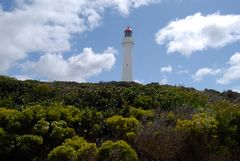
163	81
124	6
233	72
236	89
167	69
198	32
76	68
22	77
46	26
203	72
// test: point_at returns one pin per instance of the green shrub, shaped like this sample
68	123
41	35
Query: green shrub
61	131
86	151
141	114
120	125
76	148
28	142
118	151
200	123
63	153
41	127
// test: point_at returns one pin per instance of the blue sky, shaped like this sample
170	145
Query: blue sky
193	43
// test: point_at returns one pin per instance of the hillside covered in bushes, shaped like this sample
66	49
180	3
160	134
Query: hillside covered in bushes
116	121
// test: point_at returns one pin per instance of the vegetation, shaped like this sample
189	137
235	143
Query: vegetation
68	121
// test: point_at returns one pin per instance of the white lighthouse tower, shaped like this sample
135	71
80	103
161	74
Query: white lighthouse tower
127	44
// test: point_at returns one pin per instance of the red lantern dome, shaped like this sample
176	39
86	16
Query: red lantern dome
128	32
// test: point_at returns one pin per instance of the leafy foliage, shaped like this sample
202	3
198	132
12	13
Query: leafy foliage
63	153
69	121
120	125
200	123
76	148
117	151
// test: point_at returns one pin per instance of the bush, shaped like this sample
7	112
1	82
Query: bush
63	153
61	131
27	146
76	148
120	125
118	151
200	123
202	139
141	114
159	141
28	142
10	120
41	127
86	151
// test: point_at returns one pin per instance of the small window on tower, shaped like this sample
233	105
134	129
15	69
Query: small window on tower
128	34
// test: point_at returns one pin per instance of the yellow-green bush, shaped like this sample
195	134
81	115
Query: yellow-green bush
63	153
28	142
122	125
86	151
76	148
117	151
141	114
200	123
41	127
61	131
10	119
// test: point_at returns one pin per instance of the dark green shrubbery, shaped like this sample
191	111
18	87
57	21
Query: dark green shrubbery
68	121
117	151
74	149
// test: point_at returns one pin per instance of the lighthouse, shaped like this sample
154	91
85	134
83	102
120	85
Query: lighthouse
127	71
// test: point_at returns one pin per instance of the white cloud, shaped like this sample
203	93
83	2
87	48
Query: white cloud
235	59
233	72
184	71
46	26
203	72
75	68
124	6
199	32
236	89
163	81
167	69
139	81
22	77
